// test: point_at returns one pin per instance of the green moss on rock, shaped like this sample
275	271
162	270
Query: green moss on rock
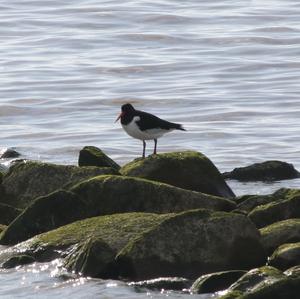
8	213
213	282
274	212
28	180
166	250
45	213
144	245
106	195
93	156
188	170
276	234
286	256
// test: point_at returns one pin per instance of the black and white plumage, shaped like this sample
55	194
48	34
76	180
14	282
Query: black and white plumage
145	126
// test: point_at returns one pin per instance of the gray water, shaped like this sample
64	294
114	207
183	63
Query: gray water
229	71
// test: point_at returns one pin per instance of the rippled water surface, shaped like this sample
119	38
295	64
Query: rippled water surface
229	71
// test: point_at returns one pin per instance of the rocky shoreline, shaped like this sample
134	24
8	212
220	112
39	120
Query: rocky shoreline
169	221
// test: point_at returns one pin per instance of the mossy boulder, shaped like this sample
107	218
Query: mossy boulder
8	213
145	245
276	211
188	170
247	203
266	171
213	282
276	234
93	156
264	283
44	214
92	257
28	180
190	244
103	195
286	256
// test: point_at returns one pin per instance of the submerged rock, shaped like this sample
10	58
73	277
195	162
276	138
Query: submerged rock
266	171
188	170
93	156
264	283
10	153
163	283
286	256
213	282
144	245
276	211
279	233
103	195
8	213
28	180
18	260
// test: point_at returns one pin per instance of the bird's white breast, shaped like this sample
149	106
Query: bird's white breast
134	131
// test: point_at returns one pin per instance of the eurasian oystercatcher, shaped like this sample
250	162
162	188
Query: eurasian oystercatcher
145	126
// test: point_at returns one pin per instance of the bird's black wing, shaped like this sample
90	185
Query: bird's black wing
149	121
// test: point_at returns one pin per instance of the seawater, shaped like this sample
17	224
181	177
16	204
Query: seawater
229	71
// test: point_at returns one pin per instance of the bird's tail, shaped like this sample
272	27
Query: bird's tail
179	127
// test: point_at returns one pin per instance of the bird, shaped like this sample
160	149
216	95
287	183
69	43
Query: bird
145	126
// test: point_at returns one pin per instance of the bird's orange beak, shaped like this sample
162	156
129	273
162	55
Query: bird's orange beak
120	115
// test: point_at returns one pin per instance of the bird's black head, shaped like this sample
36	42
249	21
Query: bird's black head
127	113
127	108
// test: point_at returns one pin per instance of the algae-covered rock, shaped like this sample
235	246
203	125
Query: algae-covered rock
45	213
188	170
8	213
247	203
93	156
162	283
264	283
2	227
276	234
106	195
190	243
213	282
144	245
93	257
27	180
269	213
286	256
67	241
266	171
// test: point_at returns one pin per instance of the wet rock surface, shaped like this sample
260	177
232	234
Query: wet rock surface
215	282
106	195
27	180
143	246
93	156
188	170
136	227
266	171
